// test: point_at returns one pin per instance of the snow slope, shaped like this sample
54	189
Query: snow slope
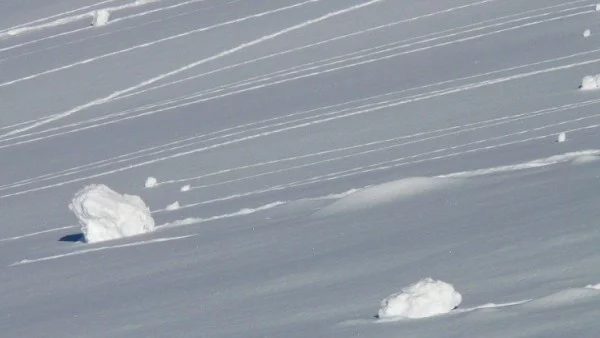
323	155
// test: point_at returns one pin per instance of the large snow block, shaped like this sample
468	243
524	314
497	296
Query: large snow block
105	214
425	298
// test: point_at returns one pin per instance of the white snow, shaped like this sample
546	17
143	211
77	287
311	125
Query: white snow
425	298
151	182
386	193
106	215
589	82
101	17
587	33
562	137
173	206
185	188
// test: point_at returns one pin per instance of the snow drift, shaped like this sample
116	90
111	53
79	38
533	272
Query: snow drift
426	298
105	214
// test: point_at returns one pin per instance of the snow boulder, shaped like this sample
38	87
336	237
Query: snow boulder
100	17
588	83
151	182
105	214
426	298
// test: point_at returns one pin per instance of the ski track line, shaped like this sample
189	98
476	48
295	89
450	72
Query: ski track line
102	248
36	233
260	86
296	49
384	166
69	19
247	81
242	212
112	21
5	30
324	120
538	163
151	43
195	64
332	159
134	110
126	157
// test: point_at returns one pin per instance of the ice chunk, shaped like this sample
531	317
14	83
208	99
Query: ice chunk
425	298
105	214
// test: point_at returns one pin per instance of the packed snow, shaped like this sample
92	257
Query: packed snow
425	298
173	206
105	214
589	82
587	33
185	188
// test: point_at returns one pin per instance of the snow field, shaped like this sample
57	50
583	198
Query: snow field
106	215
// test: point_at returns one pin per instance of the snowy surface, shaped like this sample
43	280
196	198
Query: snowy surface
333	151
426	298
105	214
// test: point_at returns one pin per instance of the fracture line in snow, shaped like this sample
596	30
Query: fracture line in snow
197	63
388	104
231	93
390	164
36	233
102	248
4	31
251	80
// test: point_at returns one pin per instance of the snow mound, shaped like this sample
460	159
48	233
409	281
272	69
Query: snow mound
100	17
426	298
185	188
173	206
589	82
385	193
151	182
105	214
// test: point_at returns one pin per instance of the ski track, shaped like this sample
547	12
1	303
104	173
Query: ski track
246	82
195	64
384	104
102	248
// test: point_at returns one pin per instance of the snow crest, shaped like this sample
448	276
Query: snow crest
426	298
105	214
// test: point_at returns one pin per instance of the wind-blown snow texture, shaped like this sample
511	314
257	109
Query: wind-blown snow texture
331	151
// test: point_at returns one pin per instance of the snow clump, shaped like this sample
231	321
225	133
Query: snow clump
101	17
173	206
562	137
426	298
589	82
587	33
105	214
185	188
151	182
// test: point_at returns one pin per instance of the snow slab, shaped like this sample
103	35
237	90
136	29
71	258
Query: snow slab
106	215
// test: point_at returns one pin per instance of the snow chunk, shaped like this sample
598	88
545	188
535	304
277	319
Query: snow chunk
105	214
587	33
425	298
101	17
595	287
173	206
151	182
185	188
598	8
562	137
588	82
